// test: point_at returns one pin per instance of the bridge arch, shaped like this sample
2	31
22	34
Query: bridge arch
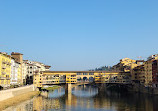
79	79
85	78
91	79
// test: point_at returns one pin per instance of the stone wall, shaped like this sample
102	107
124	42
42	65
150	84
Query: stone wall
6	94
141	89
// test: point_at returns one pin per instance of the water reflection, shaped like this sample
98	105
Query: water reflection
25	106
84	91
57	93
84	98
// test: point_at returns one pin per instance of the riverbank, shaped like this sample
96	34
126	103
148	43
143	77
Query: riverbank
18	99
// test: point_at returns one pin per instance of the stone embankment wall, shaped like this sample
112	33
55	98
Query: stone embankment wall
44	94
133	88
141	89
6	94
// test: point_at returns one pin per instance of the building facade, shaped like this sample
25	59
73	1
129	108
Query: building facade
33	68
155	73
151	73
14	72
152	57
5	69
125	65
17	68
138	74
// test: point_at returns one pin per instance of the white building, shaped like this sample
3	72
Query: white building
155	56
32	67
15	73
24	71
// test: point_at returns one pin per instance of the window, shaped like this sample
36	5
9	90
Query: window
91	73
79	73
85	73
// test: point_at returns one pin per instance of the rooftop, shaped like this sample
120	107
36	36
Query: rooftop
16	53
83	72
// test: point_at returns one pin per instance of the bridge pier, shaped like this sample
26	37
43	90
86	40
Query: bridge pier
101	87
84	86
68	88
69	99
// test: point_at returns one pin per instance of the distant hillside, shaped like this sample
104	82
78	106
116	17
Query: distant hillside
103	68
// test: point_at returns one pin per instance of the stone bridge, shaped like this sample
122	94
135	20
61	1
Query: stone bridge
73	78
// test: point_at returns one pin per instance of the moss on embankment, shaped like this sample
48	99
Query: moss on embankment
50	88
18	99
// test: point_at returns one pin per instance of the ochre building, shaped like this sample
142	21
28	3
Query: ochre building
5	69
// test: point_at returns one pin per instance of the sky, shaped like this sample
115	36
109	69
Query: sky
79	34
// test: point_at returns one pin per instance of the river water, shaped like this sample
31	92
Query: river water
88	98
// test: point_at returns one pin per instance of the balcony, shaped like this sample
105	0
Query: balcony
3	73
4	62
1	77
7	78
37	72
8	63
3	67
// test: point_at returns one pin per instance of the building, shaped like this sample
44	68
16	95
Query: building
148	73
138	74
5	69
113	77
152	57
125	65
16	71
18	58
151	73
31	68
47	68
24	72
20	80
134	67
14	78
155	73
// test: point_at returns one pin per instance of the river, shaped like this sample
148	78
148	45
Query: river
88	98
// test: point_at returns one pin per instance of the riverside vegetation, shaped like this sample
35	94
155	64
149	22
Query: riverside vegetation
50	88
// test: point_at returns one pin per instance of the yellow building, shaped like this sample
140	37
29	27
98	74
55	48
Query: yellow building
71	78
5	69
148	73
38	79
125	65
20	80
138	74
152	57
113	77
